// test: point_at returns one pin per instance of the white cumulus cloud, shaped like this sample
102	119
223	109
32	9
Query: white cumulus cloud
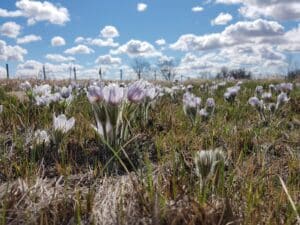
135	48
59	58
141	7
222	19
109	32
58	41
277	9
79	49
36	11
197	9
8	52
10	29
108	60
28	39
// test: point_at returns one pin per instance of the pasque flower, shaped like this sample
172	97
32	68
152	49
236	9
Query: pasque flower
113	94
281	99
41	137
62	124
136	91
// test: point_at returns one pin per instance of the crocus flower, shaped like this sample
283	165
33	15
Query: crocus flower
95	94
65	92
42	89
286	87
266	96
281	99
136	92
259	90
255	102
231	93
25	86
41	136
61	123
113	94
203	113
210	103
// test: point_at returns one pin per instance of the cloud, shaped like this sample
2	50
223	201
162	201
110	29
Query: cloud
79	49
102	43
109	32
36	11
222	19
79	40
289	43
136	48
28	39
160	42
33	68
241	32
5	13
141	7
59	58
277	9
259	59
58	41
197	9
8	52
109	42
10	29
108	60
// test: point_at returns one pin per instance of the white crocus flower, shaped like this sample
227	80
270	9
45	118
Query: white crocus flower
281	99
61	123
25	86
95	94
266	96
210	105
113	94
231	93
255	102
259	90
41	136
65	92
136	92
42	89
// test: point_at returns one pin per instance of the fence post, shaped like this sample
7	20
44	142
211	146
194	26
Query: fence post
121	74
100	74
44	72
7	71
75	76
154	74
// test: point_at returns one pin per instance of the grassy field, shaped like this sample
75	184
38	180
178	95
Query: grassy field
152	175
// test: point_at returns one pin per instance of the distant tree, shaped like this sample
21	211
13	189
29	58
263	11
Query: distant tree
234	73
140	67
293	74
293	71
167	68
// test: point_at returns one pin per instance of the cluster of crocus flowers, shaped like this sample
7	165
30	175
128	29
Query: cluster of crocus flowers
209	108
114	106
192	107
231	93
263	101
42	95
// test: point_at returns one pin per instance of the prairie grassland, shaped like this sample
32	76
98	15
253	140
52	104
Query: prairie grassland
151	177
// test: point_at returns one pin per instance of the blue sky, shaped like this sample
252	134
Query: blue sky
201	36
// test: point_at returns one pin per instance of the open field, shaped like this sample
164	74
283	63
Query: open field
145	153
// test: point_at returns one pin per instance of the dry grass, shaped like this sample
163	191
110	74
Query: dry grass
72	188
